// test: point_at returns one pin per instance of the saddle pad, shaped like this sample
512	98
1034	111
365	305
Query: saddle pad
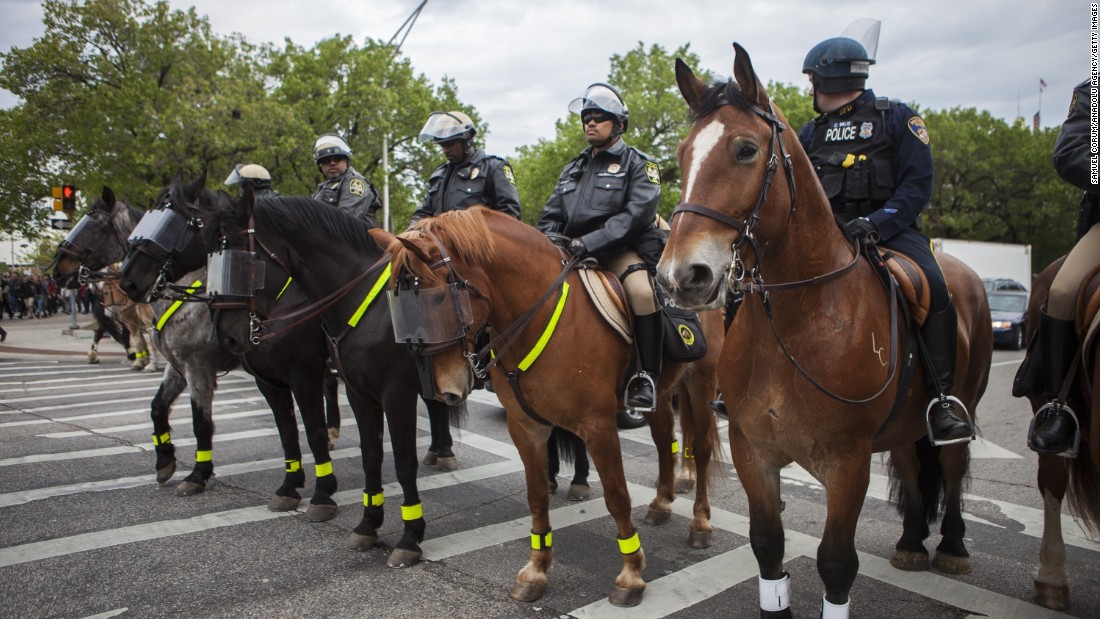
609	298
1088	311
911	281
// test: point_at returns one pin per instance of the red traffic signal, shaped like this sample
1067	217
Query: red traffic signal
68	198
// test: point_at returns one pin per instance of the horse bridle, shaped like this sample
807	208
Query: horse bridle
736	274
79	254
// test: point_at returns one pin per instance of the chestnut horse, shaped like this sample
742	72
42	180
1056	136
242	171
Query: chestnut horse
556	362
810	303
1076	478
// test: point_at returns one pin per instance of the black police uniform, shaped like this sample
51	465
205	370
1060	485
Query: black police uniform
1073	158
609	201
351	193
482	179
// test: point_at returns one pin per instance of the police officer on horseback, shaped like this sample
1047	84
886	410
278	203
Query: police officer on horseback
1055	345
469	177
253	175
606	202
343	187
873	159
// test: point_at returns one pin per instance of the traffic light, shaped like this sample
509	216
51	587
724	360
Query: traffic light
56	193
68	199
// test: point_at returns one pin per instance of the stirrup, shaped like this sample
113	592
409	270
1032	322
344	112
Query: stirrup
965	419
626	393
1075	445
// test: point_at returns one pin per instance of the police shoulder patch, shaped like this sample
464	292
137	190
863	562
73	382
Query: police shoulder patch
1072	104
357	187
507	169
653	172
917	128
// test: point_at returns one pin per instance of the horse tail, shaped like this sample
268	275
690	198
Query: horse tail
566	443
118	333
1081	493
930	482
456	416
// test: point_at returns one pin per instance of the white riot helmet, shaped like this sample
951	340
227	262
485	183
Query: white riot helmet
330	145
253	174
600	96
446	126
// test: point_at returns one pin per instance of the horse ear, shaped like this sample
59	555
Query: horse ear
194	190
411	245
747	79
691	87
108	197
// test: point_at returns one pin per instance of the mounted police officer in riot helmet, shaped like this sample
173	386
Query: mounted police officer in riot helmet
470	177
253	175
343	187
606	202
873	159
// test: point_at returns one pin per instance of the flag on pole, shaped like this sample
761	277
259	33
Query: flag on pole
1042	84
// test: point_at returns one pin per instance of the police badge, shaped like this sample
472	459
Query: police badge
613	168
865	130
652	172
474	173
357	187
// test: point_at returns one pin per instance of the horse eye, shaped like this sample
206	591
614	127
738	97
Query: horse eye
748	151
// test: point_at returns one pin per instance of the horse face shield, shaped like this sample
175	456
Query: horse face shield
83	237
234	273
163	231
431	315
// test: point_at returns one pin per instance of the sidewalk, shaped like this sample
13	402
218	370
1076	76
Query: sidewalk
51	336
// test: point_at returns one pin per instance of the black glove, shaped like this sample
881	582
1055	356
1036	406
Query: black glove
577	248
861	229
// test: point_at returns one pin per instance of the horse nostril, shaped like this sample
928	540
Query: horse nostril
698	276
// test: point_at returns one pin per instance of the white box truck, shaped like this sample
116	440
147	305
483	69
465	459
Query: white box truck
991	260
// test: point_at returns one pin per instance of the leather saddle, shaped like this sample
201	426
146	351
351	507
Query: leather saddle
912	283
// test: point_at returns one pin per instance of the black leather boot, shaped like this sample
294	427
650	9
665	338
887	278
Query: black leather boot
940	333
1054	426
641	390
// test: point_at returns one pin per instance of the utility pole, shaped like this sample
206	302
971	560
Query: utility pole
405	26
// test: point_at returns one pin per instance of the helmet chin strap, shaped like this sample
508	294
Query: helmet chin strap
616	132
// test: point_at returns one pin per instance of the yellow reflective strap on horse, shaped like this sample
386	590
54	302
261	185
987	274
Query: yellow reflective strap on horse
687	453
195	285
412	512
547	332
161	439
293	466
141	354
373	500
675	446
383	279
630	545
542	541
285	286
322	470
204	455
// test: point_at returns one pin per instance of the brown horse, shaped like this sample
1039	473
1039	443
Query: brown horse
1078	478
570	374
138	320
810	304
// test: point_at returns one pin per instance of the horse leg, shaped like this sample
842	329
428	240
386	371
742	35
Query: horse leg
171	386
579	489
530	438
837	561
308	388
951	554
440	453
910	554
1051	583
685	477
332	408
369	421
661	428
700	433
401	419
279	400
202	384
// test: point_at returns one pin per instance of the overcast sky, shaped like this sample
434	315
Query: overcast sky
520	63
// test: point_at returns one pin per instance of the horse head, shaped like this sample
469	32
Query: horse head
740	162
98	239
438	304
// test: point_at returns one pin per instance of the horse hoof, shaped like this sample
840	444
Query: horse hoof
654	518
684	486
1052	596
577	492
361	543
283	503
951	564
430	458
320	512
446	463
909	561
625	597
528	591
401	558
699	539
189	488
93	358
166	472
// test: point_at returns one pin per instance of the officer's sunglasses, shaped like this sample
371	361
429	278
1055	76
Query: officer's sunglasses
595	117
330	160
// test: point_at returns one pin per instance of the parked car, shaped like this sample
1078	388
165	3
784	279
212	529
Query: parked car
1008	309
994	284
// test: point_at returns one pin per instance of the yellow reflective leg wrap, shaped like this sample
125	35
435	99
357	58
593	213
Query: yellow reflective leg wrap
205	455
542	541
141	354
630	545
293	466
373	500
675	446
161	439
412	512
322	470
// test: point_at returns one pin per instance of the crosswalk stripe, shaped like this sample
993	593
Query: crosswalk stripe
132	411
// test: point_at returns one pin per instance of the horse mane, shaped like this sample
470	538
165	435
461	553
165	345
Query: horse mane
718	94
464	232
290	215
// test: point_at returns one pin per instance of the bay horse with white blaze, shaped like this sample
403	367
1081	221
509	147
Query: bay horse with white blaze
811	302
556	362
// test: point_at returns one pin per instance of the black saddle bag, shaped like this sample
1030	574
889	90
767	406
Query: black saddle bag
684	340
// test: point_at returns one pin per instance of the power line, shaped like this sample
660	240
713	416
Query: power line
407	25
